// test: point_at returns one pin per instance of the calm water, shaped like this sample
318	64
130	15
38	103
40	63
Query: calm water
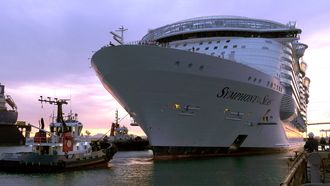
137	168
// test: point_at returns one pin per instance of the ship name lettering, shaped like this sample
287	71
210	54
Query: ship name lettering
227	93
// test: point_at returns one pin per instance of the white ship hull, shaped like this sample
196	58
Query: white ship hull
182	101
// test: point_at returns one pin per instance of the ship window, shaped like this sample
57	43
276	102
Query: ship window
235	46
268	41
197	49
218	41
201	67
185	44
255	79
271	85
209	42
190	65
259	81
227	41
243	46
200	43
265	48
223	54
176	46
177	63
267	83
206	48
225	46
215	47
249	78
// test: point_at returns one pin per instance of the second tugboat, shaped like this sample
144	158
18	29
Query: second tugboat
125	142
59	149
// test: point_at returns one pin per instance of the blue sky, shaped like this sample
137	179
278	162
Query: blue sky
46	46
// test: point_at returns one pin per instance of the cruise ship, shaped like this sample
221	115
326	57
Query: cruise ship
212	86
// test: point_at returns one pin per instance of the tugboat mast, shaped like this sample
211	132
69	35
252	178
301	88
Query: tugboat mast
59	103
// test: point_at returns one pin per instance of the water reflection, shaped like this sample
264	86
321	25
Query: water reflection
138	168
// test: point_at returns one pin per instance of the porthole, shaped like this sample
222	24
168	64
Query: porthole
227	41
215	47
190	65
225	46
206	48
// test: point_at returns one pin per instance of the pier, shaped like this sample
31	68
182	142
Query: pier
310	169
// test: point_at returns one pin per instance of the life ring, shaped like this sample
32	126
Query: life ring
69	143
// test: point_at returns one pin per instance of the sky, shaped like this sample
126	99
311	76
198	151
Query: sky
46	46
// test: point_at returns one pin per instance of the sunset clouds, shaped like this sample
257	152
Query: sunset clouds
46	45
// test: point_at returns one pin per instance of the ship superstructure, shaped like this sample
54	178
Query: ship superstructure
212	85
7	116
11	133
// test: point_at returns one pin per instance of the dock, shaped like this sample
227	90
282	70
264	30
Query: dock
308	169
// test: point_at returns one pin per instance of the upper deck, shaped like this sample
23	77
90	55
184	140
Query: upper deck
215	26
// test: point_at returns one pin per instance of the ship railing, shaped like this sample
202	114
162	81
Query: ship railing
140	42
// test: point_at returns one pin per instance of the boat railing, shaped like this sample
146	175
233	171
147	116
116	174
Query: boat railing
53	140
309	169
297	174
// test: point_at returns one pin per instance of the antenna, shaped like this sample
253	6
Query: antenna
59	103
116	37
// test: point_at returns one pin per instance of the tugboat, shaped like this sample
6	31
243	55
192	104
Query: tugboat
11	131
59	149
125	142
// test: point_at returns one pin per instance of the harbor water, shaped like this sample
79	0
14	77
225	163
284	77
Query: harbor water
138	168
